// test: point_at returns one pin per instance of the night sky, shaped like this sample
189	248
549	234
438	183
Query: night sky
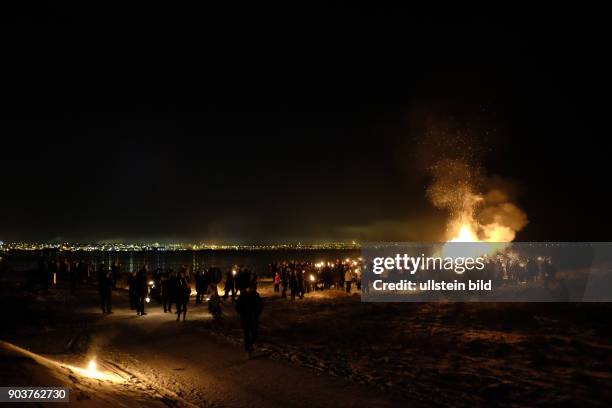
289	125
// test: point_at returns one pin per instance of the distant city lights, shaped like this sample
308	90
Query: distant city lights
136	247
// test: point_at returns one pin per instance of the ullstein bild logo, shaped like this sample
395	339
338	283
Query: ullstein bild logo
462	271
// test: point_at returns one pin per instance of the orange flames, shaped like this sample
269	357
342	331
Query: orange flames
487	238
466	234
480	206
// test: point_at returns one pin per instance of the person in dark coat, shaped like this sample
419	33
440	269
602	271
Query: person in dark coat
327	276
116	273
205	282
293	284
230	284
142	290
338	272
249	306
105	287
243	279
183	291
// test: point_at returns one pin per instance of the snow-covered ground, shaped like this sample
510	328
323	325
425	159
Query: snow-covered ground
160	360
107	386
329	350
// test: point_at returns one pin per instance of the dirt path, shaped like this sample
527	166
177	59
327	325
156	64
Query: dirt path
207	371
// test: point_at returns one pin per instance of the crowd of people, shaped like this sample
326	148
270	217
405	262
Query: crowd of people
172	289
75	271
524	269
300	277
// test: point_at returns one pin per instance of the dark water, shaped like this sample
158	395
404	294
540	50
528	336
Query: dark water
131	261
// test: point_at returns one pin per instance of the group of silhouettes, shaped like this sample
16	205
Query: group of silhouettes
301	277
171	288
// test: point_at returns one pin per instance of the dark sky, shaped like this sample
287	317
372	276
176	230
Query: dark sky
292	124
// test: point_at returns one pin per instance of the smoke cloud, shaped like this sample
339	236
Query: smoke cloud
480	207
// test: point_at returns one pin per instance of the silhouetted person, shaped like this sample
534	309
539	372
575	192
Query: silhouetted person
142	290
243	279
249	307
230	284
116	273
183	290
105	286
205	282
293	284
327	277
338	272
